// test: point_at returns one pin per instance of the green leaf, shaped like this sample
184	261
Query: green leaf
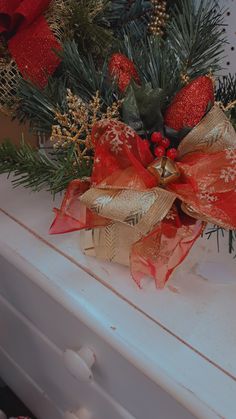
130	112
142	109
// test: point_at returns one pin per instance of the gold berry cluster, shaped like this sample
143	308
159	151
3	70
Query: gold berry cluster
75	125
185	79
159	17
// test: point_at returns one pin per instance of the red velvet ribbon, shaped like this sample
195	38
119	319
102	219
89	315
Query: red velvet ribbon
30	40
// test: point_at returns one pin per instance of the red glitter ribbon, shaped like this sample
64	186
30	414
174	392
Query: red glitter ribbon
31	41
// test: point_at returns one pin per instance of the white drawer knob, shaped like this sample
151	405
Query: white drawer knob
79	363
81	414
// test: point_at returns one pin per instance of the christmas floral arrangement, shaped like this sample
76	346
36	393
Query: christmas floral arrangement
141	136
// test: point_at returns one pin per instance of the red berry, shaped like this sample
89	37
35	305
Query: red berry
165	142
156	137
159	151
172	153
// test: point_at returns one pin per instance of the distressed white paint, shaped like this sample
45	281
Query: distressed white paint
182	338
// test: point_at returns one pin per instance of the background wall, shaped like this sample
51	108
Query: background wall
230	49
13	131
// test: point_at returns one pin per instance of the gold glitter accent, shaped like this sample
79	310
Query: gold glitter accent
185	79
58	17
75	126
159	17
211	76
228	107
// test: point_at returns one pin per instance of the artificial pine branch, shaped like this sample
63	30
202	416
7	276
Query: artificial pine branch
218	233
91	30
123	15
38	170
191	47
38	106
196	33
156	63
86	76
226	91
226	96
78	72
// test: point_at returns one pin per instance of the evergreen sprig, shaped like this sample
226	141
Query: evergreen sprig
196	33
226	90
86	76
90	27
218	233
192	46
156	63
124	15
39	170
38	106
80	73
226	95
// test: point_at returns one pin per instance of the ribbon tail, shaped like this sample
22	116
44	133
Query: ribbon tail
72	214
159	253
207	187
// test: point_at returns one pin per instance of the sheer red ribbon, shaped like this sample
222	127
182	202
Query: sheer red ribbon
31	42
206	185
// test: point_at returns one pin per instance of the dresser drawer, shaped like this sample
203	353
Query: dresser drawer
44	363
28	391
115	374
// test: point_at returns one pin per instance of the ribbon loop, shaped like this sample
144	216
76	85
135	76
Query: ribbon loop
142	210
30	40
7	9
214	133
17	14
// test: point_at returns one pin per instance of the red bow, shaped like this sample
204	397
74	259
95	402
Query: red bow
31	41
205	189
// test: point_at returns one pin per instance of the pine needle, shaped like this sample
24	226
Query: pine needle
37	170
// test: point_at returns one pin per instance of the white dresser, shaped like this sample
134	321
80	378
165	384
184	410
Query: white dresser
78	340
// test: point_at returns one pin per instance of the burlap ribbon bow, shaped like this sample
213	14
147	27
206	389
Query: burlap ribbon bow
144	225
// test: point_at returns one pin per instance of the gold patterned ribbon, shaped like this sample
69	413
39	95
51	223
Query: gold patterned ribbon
140	210
214	133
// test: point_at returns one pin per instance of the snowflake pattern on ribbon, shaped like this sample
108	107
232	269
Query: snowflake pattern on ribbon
231	155
117	134
206	194
171	214
228	174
